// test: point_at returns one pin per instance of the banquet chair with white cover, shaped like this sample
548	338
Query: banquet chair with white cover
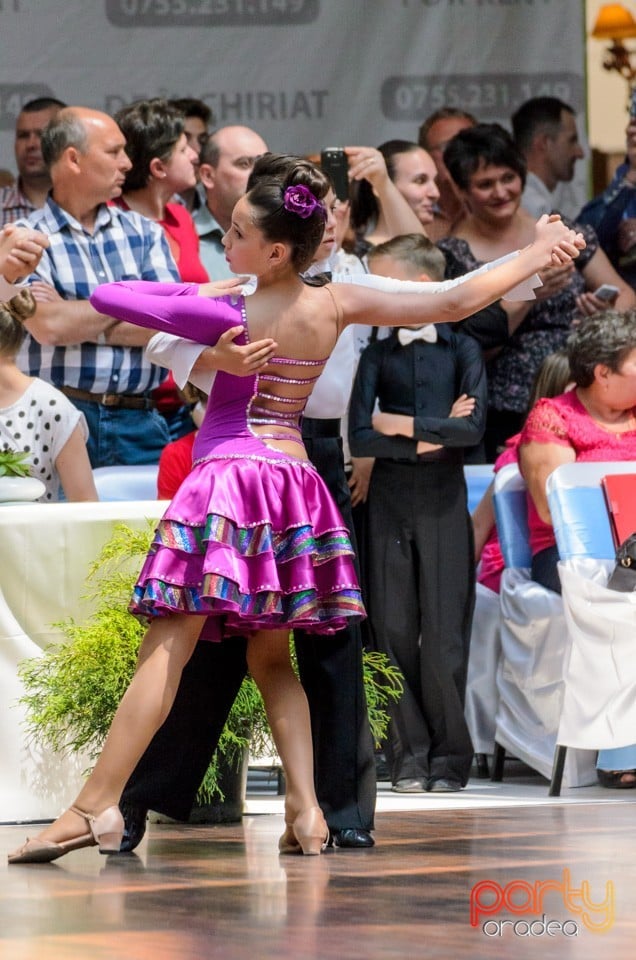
534	643
483	658
599	701
127	482
481	680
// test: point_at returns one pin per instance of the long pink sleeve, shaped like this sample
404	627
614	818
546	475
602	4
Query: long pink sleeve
171	307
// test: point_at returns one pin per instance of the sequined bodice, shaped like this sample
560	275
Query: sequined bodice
248	413
271	409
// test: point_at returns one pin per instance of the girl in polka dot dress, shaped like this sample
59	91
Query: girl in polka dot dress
38	419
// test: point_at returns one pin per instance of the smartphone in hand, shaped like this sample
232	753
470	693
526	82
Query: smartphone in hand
334	163
607	292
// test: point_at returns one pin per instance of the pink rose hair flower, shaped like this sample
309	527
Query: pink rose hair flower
300	200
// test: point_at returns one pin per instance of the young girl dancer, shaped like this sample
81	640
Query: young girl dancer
252	543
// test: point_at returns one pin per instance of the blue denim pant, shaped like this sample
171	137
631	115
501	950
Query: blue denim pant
118	436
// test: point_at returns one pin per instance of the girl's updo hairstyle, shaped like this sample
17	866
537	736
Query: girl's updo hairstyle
271	176
12	316
152	129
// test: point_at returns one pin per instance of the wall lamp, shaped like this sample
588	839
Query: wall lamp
615	23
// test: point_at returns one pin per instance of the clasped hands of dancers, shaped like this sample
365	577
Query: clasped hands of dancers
255	447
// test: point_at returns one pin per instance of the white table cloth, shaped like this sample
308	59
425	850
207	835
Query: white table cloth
45	553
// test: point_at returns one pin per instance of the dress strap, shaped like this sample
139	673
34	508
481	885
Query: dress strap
337	306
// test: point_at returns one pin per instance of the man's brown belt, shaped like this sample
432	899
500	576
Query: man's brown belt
126	401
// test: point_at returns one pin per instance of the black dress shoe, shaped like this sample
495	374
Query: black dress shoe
444	785
352	838
134	826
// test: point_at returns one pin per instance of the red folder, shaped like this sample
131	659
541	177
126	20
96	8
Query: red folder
620	497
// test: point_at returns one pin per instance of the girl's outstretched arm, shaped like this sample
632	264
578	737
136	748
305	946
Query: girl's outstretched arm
170	307
554	243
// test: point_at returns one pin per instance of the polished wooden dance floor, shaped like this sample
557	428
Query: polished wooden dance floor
223	893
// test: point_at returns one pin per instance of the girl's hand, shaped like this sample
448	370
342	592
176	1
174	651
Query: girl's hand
220	288
567	250
558	243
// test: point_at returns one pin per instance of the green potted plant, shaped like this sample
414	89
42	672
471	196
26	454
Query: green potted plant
72	691
16	482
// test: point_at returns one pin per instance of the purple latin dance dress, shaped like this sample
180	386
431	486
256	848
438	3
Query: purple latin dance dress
252	535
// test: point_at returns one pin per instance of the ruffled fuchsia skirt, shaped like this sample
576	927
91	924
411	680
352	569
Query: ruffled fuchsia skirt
259	544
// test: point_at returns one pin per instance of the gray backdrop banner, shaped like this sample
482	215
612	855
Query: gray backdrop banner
304	73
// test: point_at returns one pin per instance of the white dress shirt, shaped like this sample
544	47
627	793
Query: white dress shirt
536	198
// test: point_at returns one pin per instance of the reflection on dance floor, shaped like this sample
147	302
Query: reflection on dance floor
193	892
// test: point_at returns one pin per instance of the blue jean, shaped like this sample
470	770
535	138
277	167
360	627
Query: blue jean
179	422
118	436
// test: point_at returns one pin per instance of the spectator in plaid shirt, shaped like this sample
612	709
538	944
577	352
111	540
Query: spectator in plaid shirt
33	184
97	362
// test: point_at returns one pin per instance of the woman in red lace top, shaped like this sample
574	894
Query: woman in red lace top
552	379
595	421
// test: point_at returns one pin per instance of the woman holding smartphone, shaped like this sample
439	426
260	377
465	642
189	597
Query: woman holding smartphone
490	174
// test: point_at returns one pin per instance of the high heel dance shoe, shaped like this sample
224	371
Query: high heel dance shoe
310	832
106	829
288	842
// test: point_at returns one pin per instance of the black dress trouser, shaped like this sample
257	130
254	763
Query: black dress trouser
168	775
420	583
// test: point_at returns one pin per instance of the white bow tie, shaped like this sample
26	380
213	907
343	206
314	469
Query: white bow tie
407	335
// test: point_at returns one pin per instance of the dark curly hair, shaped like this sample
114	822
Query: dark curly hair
607	338
152	129
271	175
486	143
